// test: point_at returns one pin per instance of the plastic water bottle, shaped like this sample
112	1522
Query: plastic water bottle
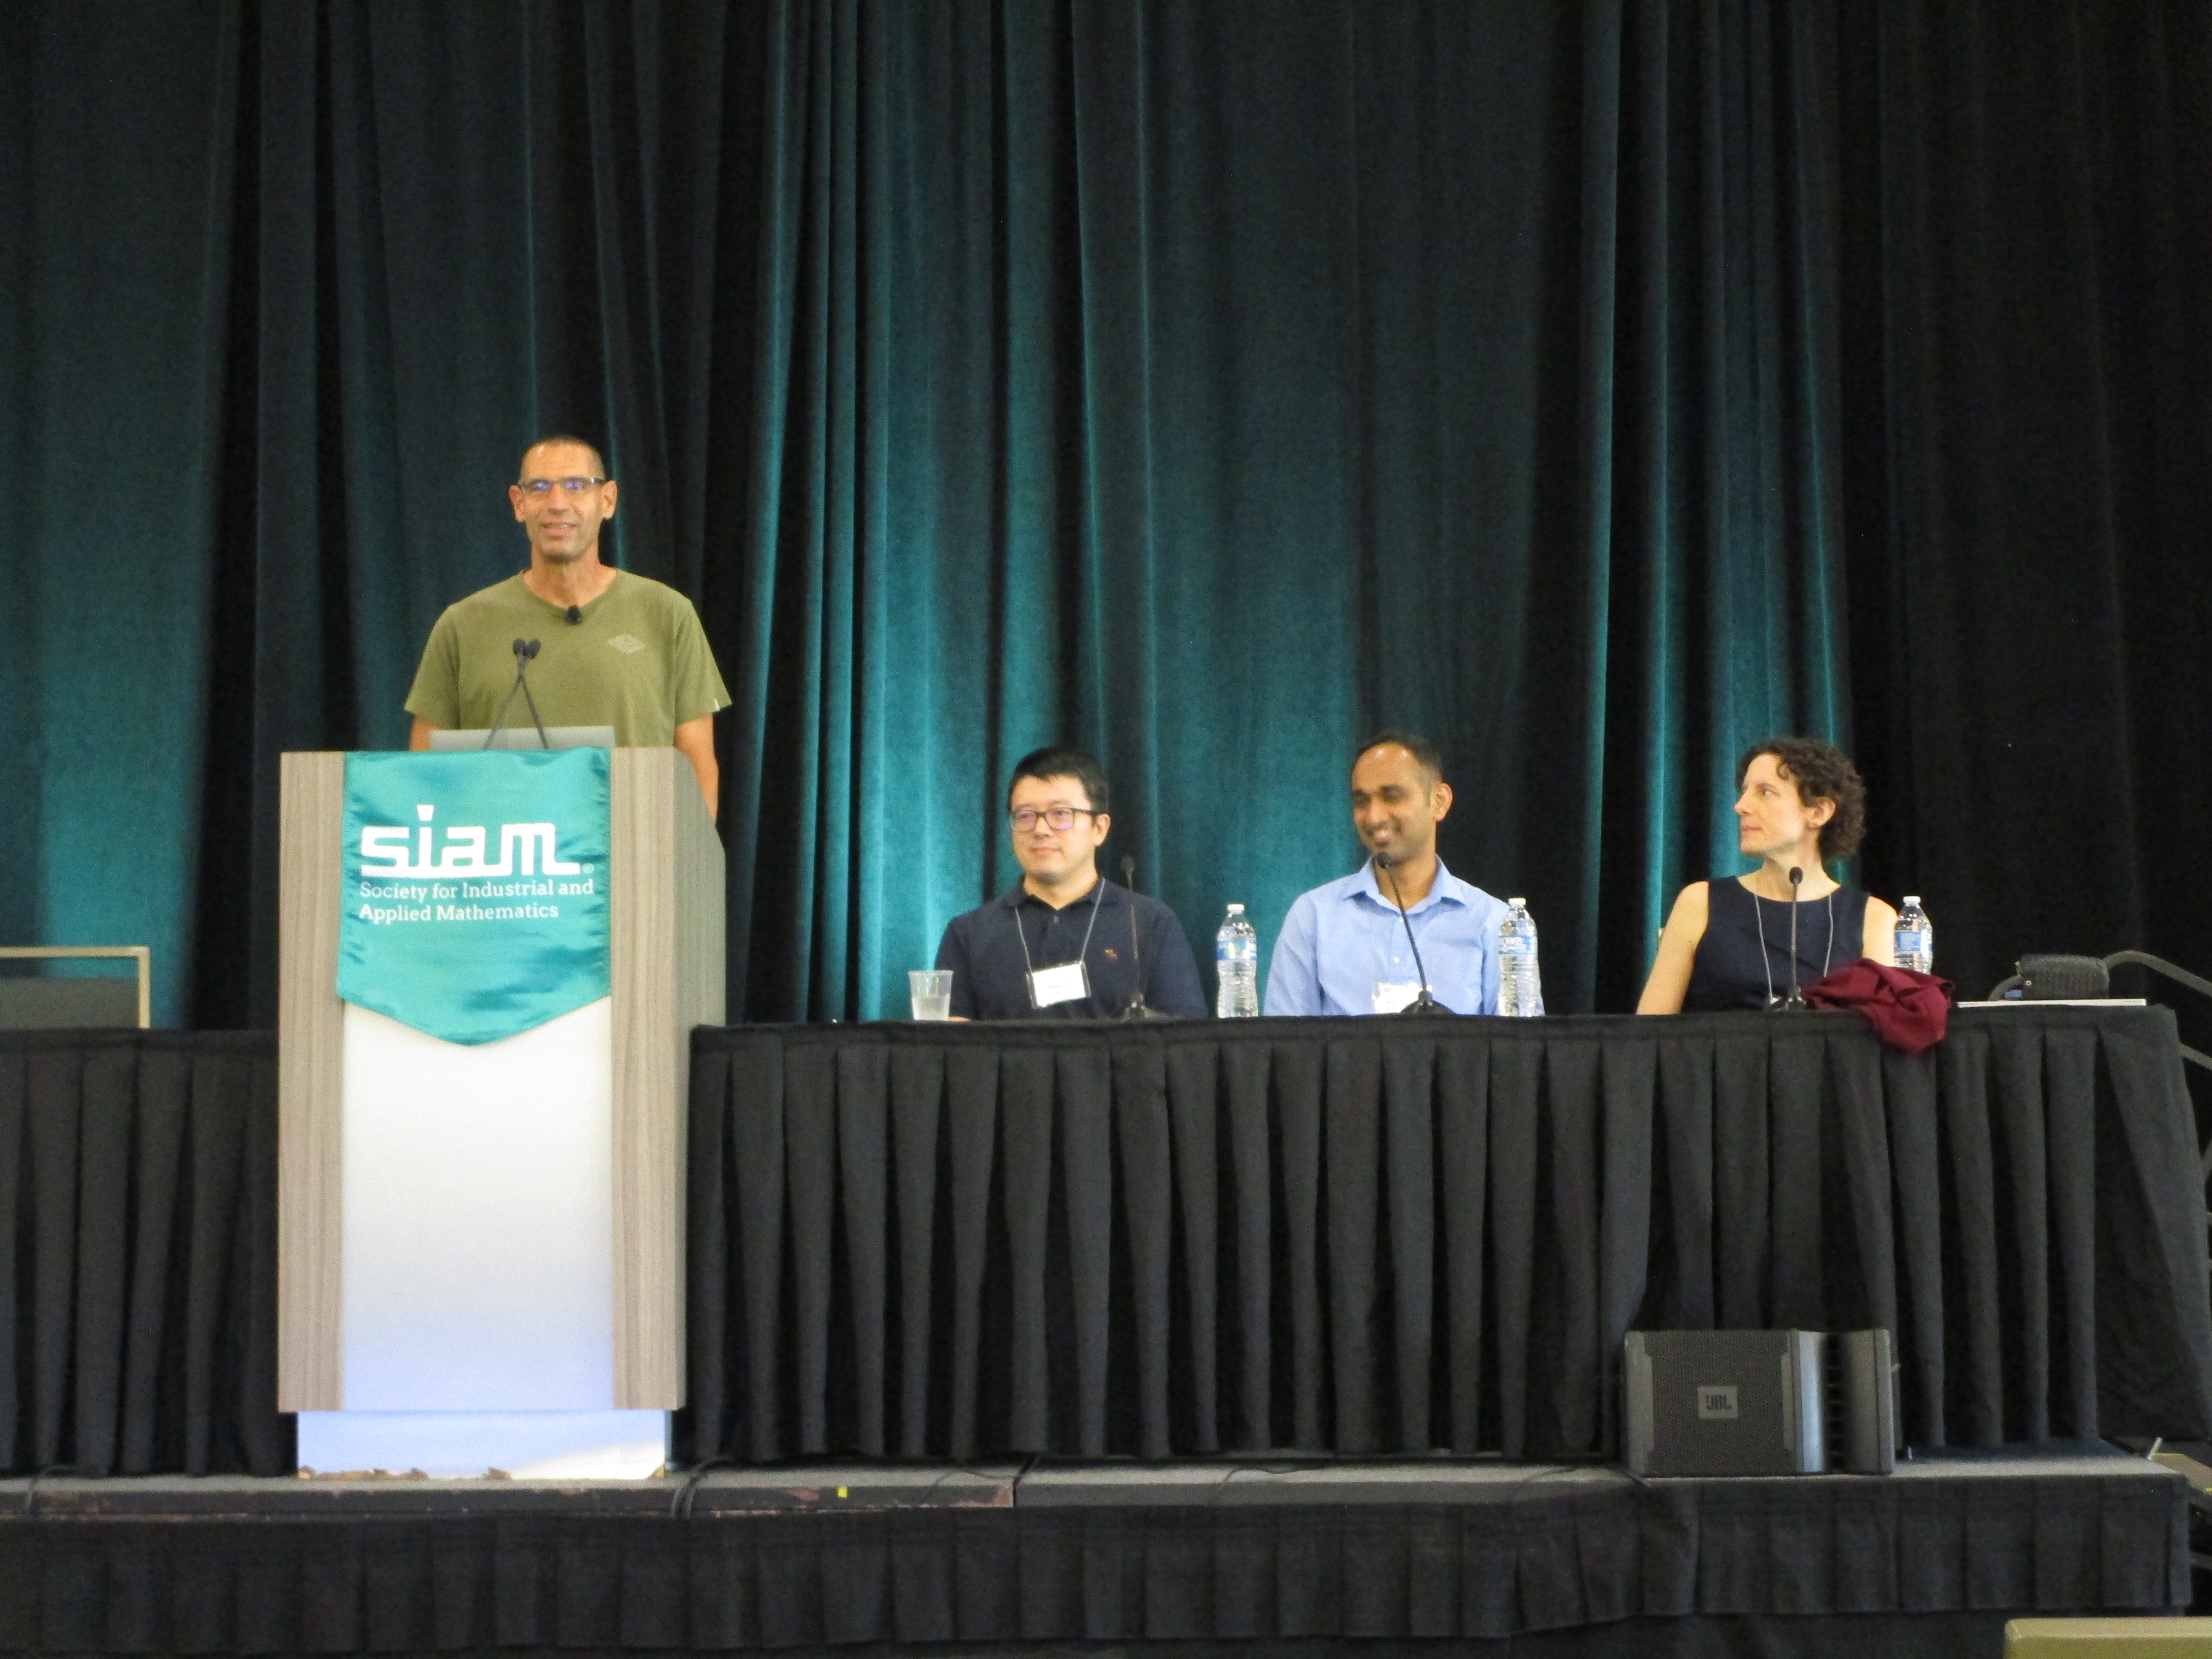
1236	967
1520	982
1915	938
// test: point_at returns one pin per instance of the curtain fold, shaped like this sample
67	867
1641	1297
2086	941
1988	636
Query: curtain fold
2029	401
1597	387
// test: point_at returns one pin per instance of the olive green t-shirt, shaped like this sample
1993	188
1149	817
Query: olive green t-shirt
639	661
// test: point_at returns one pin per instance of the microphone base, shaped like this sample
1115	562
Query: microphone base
1141	1011
1428	1007
1790	1005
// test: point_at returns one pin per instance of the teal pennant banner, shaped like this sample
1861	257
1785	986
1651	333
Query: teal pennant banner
476	888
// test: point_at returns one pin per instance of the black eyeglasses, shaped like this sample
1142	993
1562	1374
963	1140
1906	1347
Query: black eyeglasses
543	487
1025	818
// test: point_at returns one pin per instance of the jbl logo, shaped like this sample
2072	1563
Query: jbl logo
1716	1402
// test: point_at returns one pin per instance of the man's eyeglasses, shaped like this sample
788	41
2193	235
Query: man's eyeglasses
1025	818
542	488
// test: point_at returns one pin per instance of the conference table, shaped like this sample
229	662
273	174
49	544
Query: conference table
1374	1236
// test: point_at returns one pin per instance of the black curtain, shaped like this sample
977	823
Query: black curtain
1598	386
2027	420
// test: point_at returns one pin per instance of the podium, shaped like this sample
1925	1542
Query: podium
480	1263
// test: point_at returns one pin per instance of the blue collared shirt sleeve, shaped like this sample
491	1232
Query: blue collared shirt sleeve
1492	963
1293	972
1485	913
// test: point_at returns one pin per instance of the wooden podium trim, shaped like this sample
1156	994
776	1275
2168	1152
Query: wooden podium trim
665	923
310	1336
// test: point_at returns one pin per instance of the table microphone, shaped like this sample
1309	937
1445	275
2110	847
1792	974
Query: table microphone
524	651
1425	1003
576	615
1796	1005
1136	1007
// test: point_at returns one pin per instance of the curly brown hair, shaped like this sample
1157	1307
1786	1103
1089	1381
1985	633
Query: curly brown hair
1822	772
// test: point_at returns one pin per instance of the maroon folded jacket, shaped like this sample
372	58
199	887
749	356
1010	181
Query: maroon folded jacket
1908	1011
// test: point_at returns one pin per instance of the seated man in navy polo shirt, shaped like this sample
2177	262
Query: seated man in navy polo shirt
1343	947
1065	943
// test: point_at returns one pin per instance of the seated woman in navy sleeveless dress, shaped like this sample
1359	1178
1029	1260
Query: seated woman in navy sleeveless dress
1727	943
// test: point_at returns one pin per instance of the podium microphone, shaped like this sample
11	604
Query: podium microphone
1135	1008
524	651
1426	1002
576	615
1796	1005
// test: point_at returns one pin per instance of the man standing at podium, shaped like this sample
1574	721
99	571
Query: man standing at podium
614	648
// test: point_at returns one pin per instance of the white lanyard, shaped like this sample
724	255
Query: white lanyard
1060	981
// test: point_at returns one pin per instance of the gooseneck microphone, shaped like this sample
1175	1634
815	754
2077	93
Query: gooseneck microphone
1136	1007
1426	1002
1796	1005
524	651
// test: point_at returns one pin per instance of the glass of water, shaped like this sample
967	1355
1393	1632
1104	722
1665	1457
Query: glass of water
931	991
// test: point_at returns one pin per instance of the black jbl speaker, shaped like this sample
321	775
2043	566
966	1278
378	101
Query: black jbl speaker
1759	1402
1725	1402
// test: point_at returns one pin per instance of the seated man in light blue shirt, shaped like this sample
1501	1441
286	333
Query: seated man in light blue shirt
1343	948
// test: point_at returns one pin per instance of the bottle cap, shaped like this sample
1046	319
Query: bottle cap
1518	904
1912	901
1235	909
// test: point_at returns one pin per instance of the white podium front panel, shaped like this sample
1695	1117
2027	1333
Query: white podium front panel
479	1218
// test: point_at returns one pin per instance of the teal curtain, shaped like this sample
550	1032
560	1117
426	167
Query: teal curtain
1593	387
1208	390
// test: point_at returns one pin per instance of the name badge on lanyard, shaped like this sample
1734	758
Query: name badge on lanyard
1391	995
1064	981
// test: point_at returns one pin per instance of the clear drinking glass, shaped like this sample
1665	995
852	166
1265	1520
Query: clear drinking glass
930	989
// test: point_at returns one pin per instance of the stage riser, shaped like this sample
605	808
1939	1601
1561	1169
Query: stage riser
1519	1559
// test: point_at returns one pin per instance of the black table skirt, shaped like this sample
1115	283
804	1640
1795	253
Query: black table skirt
138	1253
1364	1237
1200	1238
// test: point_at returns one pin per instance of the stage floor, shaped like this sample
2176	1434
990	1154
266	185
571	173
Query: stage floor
1455	1555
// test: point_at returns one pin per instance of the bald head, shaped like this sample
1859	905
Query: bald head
562	441
1424	755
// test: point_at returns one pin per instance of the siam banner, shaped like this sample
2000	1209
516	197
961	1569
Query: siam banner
474	901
